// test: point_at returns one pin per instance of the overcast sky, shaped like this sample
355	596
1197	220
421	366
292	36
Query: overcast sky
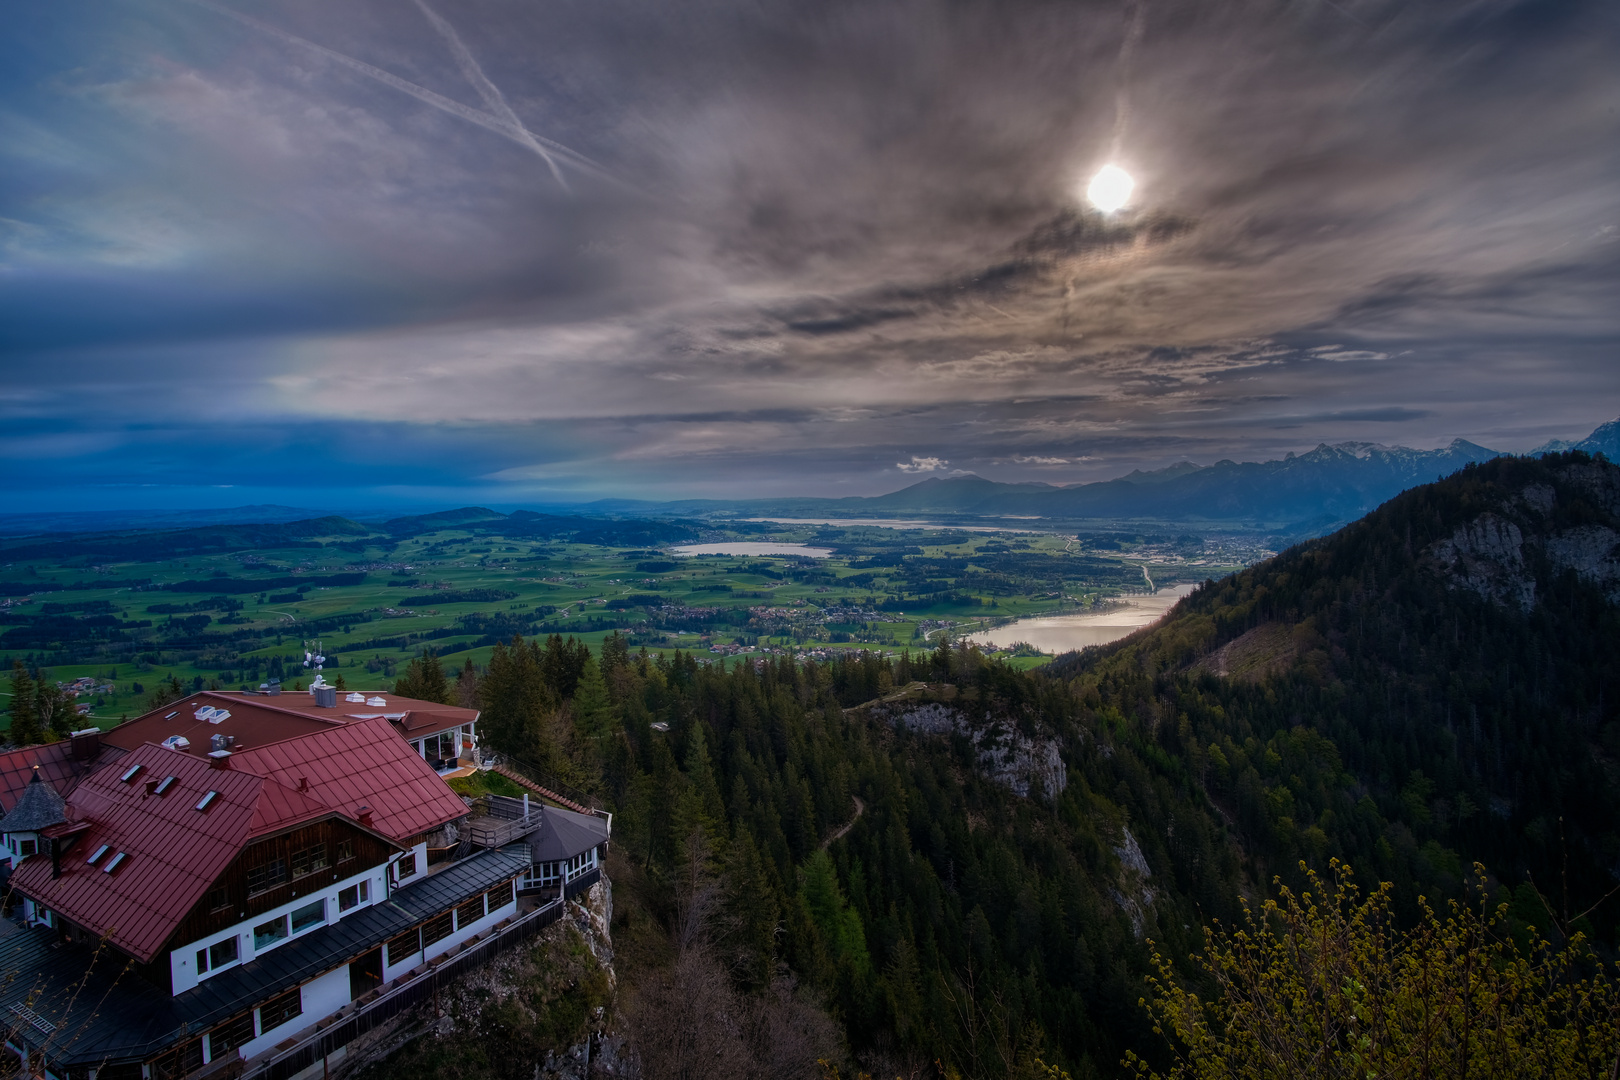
353	252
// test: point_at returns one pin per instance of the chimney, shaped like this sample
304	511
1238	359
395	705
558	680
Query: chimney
364	816
86	743
325	697
220	758
303	783
273	687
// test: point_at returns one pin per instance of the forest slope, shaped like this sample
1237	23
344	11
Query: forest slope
1432	685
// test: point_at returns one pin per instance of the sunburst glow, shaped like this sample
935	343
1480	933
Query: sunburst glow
1110	189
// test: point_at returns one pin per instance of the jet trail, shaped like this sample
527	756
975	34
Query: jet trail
494	100
516	132
1127	55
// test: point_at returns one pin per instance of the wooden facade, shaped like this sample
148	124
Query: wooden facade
344	850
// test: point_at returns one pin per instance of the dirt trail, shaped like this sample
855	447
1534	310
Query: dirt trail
838	833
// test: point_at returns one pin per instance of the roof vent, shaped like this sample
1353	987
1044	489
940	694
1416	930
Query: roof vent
325	697
115	862
207	800
221	742
272	687
129	773
376	701
220	758
176	742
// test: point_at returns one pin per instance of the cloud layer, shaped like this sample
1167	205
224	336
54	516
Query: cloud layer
535	251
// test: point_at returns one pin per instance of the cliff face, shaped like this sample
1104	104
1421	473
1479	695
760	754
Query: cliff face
1568	521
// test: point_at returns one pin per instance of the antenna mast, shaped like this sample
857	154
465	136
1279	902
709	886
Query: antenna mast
313	658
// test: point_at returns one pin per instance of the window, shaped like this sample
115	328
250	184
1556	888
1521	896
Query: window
345	850
436	929
307	916
500	895
219	898
278	1010
403	947
221	953
308	860
406	866
26	848
231	1034
267	934
216	956
470	912
354	895
267	876
440	746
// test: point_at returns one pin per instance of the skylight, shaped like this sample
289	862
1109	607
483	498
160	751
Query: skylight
114	863
172	715
207	800
129	773
96	854
165	785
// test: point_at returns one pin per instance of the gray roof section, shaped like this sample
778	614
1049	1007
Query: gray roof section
38	806
129	1020
564	834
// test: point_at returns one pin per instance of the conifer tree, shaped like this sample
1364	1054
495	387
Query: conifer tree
168	692
24	717
594	715
424	680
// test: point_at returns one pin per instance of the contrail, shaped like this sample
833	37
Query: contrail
494	100
1127	54
517	133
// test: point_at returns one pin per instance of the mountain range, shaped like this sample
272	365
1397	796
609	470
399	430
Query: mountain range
1299	495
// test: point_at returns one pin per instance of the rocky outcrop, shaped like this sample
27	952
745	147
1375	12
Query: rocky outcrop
1507	553
1134	896
1021	763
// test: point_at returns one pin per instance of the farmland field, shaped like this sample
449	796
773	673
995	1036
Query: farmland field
233	606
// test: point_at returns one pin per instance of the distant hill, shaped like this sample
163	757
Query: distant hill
83	521
1433	684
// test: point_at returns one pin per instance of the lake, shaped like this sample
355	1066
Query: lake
752	547
889	523
1065	633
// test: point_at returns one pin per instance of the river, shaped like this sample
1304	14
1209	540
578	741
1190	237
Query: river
1065	633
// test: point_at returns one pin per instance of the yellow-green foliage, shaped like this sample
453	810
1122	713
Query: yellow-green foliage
1323	985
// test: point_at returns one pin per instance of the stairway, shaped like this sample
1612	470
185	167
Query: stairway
545	793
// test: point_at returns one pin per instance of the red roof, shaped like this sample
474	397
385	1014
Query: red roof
56	765
172	851
363	763
257	719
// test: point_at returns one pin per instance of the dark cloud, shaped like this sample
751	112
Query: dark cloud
795	246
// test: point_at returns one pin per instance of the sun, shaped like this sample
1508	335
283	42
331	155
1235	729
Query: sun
1110	189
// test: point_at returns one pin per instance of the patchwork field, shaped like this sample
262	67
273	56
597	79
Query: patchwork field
234	606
